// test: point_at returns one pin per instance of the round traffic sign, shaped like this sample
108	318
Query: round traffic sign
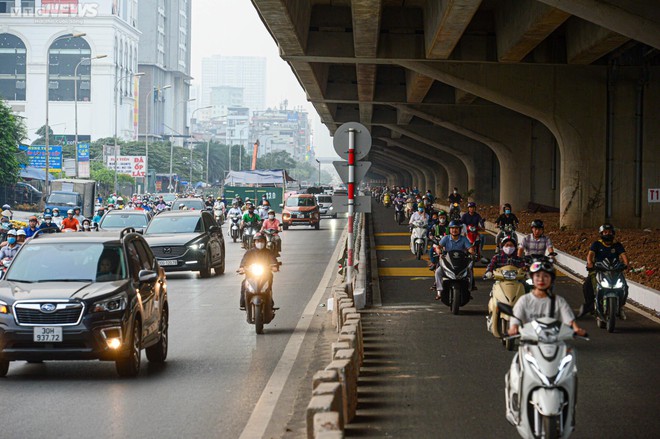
362	140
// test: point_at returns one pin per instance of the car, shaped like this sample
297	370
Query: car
325	205
84	296
120	219
300	209
188	204
187	240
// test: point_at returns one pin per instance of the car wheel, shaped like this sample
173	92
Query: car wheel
221	268
130	366
334	216
158	352
317	226
206	271
4	368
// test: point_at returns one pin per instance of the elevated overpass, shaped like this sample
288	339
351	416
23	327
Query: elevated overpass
551	101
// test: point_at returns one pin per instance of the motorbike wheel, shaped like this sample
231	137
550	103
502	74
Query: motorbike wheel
317	226
611	313
550	427
418	252
258	319
455	300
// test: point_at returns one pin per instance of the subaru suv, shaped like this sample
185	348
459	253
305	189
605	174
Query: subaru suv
84	296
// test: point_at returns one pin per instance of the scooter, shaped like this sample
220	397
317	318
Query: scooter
271	244
611	292
387	201
234	229
219	215
475	239
4	267
249	231
257	288
506	230
410	206
541	385
455	212
456	283
418	239
398	213
508	288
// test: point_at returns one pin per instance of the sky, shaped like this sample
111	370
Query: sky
232	28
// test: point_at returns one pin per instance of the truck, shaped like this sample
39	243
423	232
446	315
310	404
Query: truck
68	193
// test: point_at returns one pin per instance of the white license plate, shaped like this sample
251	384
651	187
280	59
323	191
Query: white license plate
47	334
168	262
301	215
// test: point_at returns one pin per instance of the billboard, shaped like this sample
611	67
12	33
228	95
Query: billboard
37	156
133	165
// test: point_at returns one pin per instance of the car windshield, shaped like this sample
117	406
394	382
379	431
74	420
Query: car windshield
63	199
190	204
122	220
175	224
68	262
325	199
300	202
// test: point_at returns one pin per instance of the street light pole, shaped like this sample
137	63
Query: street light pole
121	78
47	136
146	164
317	161
192	117
170	188
75	104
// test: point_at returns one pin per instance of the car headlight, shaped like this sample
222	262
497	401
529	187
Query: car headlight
198	246
4	308
112	304
509	274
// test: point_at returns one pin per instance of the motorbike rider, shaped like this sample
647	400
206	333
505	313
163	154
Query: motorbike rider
506	218
249	217
99	215
86	225
430	196
7	208
209	203
4	223
264	208
32	227
271	222
436	232
12	247
258	255
536	243
472	218
506	256
455	197
420	215
70	223
57	218
20	236
77	215
452	242
235	210
605	248
538	304
48	226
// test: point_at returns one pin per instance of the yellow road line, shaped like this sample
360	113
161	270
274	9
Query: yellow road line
392	234
393	247
416	272
489	247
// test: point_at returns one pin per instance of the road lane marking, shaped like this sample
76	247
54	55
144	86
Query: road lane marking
392	234
392	247
265	408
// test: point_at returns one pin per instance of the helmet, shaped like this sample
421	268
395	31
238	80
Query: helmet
442	213
70	211
537	223
455	223
21	232
56	209
260	237
606	226
76	208
546	266
48	216
472	204
32	218
507	238
6	207
271	211
12	232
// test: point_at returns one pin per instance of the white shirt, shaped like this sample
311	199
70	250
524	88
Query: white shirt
529	307
419	216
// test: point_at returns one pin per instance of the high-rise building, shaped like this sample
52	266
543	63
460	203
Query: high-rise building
282	129
164	58
36	39
246	72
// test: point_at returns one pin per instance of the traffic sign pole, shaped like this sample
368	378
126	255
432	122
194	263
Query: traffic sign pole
351	206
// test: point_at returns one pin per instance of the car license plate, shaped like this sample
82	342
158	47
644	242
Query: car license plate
47	334
168	262
301	215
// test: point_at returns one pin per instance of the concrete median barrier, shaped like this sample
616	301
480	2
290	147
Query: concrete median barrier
318	404
352	372
343	370
336	391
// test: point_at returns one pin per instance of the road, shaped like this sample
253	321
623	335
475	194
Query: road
216	370
430	374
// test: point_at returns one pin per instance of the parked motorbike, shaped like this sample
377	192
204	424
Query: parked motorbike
610	292
249	231
271	244
455	212
456	283
508	288
257	287
541	385
418	239
399	216
235	229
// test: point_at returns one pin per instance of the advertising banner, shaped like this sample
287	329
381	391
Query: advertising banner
132	165
37	156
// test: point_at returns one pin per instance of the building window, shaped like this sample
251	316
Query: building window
12	68
63	56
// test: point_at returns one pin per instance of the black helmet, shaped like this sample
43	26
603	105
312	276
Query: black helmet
506	205
607	226
537	223
455	223
77	208
259	237
541	265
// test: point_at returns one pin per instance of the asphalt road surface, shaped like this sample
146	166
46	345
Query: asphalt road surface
430	374
216	371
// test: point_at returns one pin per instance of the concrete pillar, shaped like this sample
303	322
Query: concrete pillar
545	167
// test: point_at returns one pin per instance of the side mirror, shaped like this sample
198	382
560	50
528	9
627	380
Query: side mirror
213	229
147	276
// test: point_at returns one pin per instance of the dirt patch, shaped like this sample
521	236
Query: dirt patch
642	246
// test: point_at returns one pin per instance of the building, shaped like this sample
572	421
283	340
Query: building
164	58
237	130
284	130
32	32
246	72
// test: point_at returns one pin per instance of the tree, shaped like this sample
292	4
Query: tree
276	160
41	132
12	132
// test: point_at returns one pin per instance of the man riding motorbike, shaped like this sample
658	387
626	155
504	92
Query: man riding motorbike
472	218
455	197
32	226
272	223
258	255
436	233
9	251
536	243
452	242
250	217
506	219
48	226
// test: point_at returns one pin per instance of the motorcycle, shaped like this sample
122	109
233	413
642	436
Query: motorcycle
5	266
410	208
455	212
258	291
541	385
387	201
418	239
508	288
610	292
250	229
234	229
219	215
271	244
505	230
475	239
456	282
398	213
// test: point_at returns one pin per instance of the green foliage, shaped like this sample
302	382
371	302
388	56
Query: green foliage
12	132
41	140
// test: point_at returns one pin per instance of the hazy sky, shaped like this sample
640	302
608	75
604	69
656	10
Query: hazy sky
233	27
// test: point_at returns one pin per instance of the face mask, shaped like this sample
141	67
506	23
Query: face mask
86	227
260	245
608	238
48	222
11	241
442	220
507	211
56	214
271	217
508	250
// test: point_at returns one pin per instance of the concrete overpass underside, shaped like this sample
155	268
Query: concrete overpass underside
547	101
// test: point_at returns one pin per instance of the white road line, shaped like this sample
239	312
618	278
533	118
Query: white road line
265	407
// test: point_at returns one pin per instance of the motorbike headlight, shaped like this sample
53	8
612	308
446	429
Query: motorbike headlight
112	304
563	367
605	284
509	274
619	283
4	308
198	246
534	365
256	269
